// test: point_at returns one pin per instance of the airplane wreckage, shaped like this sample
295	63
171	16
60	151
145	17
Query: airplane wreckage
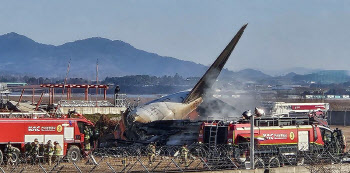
167	120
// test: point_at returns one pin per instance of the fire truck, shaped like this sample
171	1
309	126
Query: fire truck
274	136
290	109
22	129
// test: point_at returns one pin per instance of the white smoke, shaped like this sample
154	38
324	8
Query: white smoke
223	96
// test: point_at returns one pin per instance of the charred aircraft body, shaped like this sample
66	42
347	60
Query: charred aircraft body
136	124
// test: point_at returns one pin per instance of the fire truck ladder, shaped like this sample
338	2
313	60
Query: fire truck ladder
214	159
213	134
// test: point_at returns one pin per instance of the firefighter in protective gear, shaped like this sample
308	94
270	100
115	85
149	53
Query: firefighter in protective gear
49	149
35	150
9	151
57	151
87	134
28	148
151	149
184	154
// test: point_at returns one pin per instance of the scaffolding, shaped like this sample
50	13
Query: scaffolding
4	95
69	88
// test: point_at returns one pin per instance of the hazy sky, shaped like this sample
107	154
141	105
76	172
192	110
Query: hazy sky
280	35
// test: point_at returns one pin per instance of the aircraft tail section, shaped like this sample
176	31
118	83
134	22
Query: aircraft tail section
213	72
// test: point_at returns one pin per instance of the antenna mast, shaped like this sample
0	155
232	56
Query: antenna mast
65	79
96	80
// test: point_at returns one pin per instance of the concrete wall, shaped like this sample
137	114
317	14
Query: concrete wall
296	169
94	110
335	168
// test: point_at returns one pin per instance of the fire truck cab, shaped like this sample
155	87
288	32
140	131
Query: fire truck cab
22	130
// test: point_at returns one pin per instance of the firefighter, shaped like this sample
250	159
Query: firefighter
184	154
151	149
116	91
28	148
49	149
57	151
35	150
87	133
9	151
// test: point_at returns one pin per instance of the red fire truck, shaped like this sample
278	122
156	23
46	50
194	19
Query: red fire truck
295	109
23	129
292	134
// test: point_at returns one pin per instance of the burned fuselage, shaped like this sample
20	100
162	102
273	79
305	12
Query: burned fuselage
176	132
166	132
169	115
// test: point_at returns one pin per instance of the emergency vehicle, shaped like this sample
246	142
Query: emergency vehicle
290	109
274	136
22	129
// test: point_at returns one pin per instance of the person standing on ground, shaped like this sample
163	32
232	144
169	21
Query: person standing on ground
28	149
57	151
151	149
9	151
87	133
35	150
49	152
184	154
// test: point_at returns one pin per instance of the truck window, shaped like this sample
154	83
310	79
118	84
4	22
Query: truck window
315	134
326	135
81	126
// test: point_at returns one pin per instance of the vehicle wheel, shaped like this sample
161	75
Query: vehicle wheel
1	157
274	162
73	154
259	163
15	155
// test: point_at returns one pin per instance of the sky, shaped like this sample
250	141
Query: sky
281	35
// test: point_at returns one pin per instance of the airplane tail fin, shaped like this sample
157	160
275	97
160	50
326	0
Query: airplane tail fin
213	72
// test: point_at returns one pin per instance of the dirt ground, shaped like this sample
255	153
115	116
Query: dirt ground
110	164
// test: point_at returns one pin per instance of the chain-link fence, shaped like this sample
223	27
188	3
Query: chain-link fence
198	158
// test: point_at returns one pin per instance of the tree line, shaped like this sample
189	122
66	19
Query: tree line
132	84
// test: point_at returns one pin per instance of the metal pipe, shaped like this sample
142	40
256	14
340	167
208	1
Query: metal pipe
96	81
252	142
86	93
67	93
39	102
70	92
96	96
53	95
20	98
50	96
33	96
105	93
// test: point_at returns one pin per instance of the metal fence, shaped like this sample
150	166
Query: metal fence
83	103
339	118
199	158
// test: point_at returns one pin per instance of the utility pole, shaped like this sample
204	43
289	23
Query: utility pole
252	142
96	81
66	78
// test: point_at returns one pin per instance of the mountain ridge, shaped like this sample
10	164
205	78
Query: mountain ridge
22	55
116	58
